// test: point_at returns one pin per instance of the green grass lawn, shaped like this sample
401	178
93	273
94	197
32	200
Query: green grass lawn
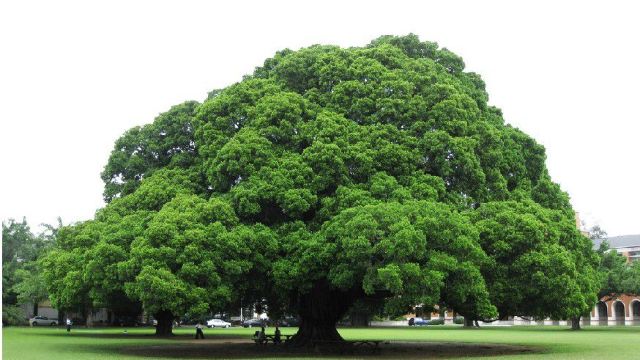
108	343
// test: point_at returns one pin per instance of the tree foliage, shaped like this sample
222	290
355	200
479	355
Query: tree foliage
22	280
166	143
326	177
618	275
541	266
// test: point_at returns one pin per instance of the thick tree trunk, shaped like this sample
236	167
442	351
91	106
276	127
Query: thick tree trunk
35	309
164	325
319	311
468	323
575	323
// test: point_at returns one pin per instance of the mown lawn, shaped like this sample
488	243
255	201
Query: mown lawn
109	343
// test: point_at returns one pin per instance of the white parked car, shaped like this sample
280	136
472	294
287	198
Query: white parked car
217	323
43	320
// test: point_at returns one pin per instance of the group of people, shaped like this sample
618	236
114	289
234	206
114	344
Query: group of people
261	335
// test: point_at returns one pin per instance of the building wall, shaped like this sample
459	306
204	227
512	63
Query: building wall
44	309
630	316
99	316
632	253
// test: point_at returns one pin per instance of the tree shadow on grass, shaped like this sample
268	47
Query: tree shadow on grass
389	350
233	346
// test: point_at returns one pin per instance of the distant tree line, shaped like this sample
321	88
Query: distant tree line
22	280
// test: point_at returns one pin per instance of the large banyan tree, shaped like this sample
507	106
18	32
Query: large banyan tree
329	177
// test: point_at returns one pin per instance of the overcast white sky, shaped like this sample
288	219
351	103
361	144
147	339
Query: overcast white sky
74	75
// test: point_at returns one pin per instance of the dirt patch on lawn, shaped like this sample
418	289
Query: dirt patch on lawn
241	348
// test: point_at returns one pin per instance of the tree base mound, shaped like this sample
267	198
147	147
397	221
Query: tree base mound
240	348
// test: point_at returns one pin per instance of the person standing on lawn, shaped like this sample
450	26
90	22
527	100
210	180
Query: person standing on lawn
199	333
277	337
68	325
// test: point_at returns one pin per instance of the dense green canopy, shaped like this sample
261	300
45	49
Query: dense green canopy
328	176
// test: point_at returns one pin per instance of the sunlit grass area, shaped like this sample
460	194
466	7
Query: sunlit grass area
110	343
